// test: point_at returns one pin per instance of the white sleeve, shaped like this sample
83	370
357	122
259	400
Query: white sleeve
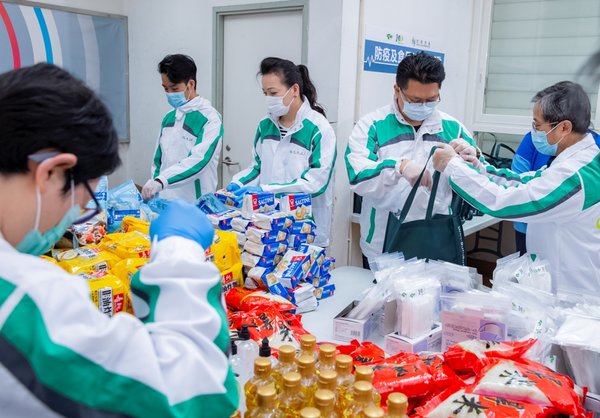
250	176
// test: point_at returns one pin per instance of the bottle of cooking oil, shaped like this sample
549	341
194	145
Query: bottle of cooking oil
345	380
309	412
397	404
308	382
291	400
325	402
262	377
362	398
373	412
365	374
286	364
266	404
326	357
327	380
308	346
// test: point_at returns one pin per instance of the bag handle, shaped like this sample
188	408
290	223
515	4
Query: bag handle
436	180
413	192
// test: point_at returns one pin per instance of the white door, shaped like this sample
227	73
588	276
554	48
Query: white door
248	38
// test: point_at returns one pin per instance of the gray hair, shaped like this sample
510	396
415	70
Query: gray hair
565	101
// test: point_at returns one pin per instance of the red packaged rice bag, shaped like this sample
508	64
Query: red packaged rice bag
471	356
405	373
363	354
242	299
442	375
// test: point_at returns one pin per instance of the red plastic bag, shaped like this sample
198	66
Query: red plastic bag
464	403
363	354
247	300
405	373
442	375
471	356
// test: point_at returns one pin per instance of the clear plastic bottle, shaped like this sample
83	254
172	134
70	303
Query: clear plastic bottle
373	412
291	399
325	402
362	398
266	404
238	369
247	350
397	405
365	374
327	380
345	379
310	412
308	346
286	364
308	383
262	377
326	357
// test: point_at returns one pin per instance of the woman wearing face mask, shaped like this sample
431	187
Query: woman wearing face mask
561	203
188	147
294	146
389	147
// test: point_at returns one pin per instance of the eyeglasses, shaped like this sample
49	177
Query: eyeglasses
419	101
537	126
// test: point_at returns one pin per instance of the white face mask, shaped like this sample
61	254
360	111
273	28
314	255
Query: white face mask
275	106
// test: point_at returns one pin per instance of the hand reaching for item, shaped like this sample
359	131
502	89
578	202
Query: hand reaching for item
182	219
463	148
442	156
151	188
248	189
411	171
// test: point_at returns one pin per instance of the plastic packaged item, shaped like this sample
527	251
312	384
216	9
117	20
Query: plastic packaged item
241	237
363	353
302	293
232	277
442	375
90	232
303	227
265	250
327	267
130	224
272	220
127	244
308	383
292	268
316	253
265	405
123	200
110	294
296	240
229	198
241	224
307	305
126	268
88	259
262	236
225	251
251	260
258	277
157	205
297	205
319	281
211	204
325	291
223	220
416	306
248	300
49	259
404	372
258	203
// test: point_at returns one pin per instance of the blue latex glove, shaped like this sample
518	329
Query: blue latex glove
182	219
232	187
248	189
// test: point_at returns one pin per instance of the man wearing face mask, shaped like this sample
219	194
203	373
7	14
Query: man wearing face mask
59	355
388	148
189	144
560	203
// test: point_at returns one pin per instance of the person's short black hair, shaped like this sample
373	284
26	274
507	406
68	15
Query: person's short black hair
421	67
43	107
565	100
179	68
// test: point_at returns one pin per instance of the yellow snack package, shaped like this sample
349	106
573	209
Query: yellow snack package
225	251
110	294
88	259
50	259
131	223
126	268
127	244
233	277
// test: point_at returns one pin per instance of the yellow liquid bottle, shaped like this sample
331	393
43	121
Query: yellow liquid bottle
310	412
373	412
327	380
308	346
397	405
362	398
345	379
365	374
326	357
266	404
325	402
286	364
262	377
308	382
291	400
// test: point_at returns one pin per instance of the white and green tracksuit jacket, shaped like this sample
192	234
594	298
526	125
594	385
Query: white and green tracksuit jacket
301	162
561	205
187	151
378	142
59	356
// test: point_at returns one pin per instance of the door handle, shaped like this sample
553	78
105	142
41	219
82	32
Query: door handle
227	161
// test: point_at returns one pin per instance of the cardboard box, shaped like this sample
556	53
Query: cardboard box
432	341
346	329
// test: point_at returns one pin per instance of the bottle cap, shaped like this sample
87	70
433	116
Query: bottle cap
306	364
373	412
264	350
327	379
308	342
324	398
287	354
266	396
398	403
310	413
362	390
262	365
327	352
245	333
364	373
343	364
291	379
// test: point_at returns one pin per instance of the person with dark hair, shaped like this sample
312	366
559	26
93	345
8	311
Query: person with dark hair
59	355
189	144
388	149
560	203
294	146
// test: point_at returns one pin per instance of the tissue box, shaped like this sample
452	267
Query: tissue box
346	329
432	341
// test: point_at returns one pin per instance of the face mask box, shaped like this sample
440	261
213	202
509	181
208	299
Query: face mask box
432	341
347	329
297	205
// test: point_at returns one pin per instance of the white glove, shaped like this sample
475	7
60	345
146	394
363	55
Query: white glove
150	189
442	156
474	161
411	171
463	148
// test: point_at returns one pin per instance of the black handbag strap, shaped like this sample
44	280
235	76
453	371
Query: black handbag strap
413	192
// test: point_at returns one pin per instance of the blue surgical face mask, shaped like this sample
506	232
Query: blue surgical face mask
36	243
541	144
418	111
177	99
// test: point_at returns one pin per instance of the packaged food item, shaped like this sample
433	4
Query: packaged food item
362	353
229	198
303	227
263	236
87	259
274	286
292	268
240	224
405	373
49	259
325	292
327	266
249	300
110	294
123	200
295	240
210	204
90	232
321	281
316	253
272	220
126	268
442	375
265	250
251	260
301	293
297	205
127	244
241	237
258	203
225	250
307	305
130	224
232	277
257	277
223	220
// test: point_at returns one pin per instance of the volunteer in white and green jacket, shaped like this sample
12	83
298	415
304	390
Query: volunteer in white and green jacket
561	204
59	356
389	147
188	147
294	146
